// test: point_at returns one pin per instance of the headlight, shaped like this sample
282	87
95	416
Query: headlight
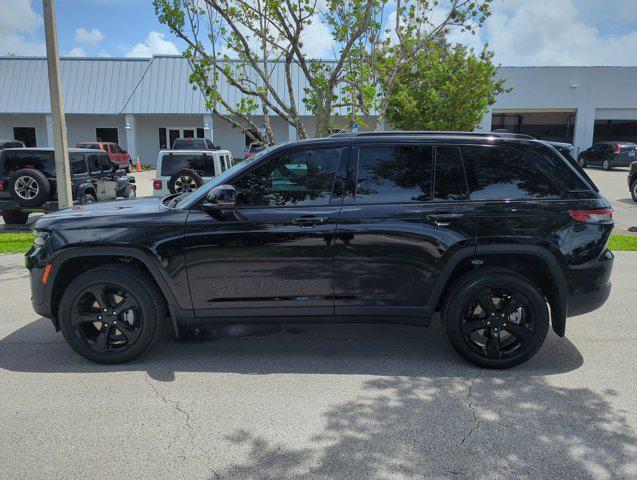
40	237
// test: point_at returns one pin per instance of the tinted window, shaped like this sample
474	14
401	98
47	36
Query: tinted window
502	173
43	161
203	164
105	163
297	178
162	139
78	165
450	183
565	170
93	164
394	174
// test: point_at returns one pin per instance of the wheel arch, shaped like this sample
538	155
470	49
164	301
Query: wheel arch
69	264
532	261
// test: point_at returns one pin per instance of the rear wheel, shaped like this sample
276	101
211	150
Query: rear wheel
86	199
15	217
111	314
495	318
633	190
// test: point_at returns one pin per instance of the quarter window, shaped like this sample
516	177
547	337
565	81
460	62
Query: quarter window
292	179
397	174
500	173
93	164
78	165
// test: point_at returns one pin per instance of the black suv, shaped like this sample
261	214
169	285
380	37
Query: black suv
609	155
493	233
28	183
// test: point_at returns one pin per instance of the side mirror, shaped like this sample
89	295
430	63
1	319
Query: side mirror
223	197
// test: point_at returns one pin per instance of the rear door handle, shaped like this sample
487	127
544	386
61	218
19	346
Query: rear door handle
444	219
309	221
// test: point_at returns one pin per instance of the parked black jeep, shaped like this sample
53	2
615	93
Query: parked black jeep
28	183
490	232
632	180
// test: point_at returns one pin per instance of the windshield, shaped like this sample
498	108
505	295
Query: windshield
188	200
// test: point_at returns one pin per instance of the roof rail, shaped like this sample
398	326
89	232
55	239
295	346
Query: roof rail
433	132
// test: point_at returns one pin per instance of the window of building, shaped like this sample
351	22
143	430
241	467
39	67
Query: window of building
26	135
449	181
496	173
615	130
200	133
107	135
300	178
398	174
163	145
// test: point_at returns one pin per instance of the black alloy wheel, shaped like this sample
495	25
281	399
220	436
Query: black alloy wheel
112	313
107	318
497	323
495	318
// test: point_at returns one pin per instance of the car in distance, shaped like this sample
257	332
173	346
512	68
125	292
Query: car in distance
609	155
116	153
188	143
632	180
11	144
28	180
254	148
491	232
182	171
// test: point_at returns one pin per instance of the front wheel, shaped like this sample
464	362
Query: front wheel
633	190
495	318
111	314
606	164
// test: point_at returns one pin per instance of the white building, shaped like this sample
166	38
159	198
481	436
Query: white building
145	103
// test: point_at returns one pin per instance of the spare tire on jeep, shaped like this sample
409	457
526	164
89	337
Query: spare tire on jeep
29	187
185	180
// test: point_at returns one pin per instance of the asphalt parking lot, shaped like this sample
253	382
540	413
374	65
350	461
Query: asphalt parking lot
320	402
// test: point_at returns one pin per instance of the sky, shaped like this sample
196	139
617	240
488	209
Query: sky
521	32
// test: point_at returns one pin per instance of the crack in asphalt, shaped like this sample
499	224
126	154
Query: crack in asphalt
189	426
476	420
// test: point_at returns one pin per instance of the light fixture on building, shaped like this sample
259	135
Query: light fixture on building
128	125
206	126
574	85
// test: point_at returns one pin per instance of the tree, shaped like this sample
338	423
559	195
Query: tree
444	88
245	45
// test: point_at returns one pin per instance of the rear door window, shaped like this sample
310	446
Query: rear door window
499	173
203	164
78	165
449	183
394	174
93	164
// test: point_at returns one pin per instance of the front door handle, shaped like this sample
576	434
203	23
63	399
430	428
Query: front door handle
444	219
309	221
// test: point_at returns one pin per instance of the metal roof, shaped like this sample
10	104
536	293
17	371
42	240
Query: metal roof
101	86
157	85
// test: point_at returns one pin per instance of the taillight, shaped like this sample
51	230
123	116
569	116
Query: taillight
592	216
157	184
618	148
1	185
249	155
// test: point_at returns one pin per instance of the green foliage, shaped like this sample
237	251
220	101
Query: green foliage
15	242
444	88
623	242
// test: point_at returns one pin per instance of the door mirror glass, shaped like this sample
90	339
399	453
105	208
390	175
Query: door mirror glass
223	197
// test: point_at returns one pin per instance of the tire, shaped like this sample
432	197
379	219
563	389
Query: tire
606	165
633	190
530	321
185	180
15	217
582	162
87	198
29	187
130	191
147	314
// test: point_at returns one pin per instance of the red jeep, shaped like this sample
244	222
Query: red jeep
116	153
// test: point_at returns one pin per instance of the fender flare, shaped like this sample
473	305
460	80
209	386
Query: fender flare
176	312
559	300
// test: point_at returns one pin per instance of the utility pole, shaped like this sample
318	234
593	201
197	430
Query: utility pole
62	173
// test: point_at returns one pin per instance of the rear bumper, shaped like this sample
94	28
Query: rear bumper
587	302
